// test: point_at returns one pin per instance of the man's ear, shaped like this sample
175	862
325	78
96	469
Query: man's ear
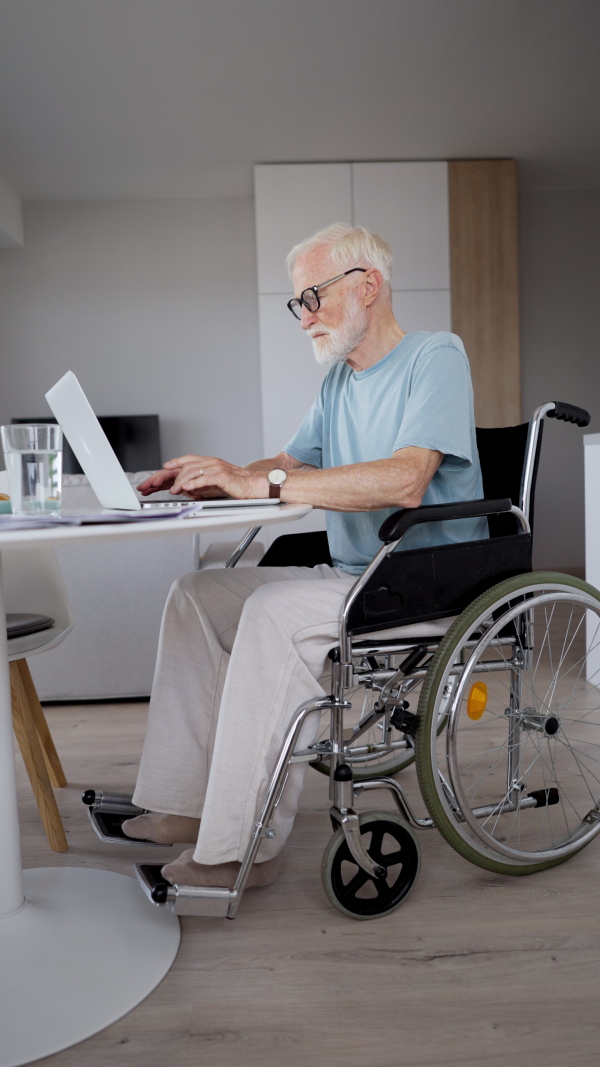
372	285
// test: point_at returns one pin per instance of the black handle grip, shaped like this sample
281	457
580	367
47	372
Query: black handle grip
569	413
396	525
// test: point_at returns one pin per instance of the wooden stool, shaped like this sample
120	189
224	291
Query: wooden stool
37	749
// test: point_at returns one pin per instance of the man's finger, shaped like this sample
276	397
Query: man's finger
192	484
186	475
156	481
172	464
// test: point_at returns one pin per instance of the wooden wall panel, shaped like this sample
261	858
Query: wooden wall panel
484	272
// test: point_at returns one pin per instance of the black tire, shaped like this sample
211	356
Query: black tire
385	895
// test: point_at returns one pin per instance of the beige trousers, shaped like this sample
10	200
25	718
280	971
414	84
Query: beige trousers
239	651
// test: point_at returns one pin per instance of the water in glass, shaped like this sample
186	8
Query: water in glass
33	456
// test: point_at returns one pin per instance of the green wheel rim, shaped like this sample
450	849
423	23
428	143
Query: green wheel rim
426	758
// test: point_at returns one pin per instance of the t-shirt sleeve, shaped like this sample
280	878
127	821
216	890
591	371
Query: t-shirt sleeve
307	443
439	412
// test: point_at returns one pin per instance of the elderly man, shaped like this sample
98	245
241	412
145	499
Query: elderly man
392	427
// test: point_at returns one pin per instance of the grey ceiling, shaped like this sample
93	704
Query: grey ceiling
135	98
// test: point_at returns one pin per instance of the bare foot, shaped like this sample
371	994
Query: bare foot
185	871
162	829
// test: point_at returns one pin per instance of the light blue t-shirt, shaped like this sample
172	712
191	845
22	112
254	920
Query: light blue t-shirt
419	394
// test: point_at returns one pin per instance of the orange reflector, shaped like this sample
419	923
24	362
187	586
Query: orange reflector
477	700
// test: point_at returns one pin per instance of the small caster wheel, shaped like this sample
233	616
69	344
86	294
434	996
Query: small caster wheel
390	842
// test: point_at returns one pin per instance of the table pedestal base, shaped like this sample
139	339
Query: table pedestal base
82	952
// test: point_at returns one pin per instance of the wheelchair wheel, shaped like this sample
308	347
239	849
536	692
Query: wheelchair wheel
388	840
513	782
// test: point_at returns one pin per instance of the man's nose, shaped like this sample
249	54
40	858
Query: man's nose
308	318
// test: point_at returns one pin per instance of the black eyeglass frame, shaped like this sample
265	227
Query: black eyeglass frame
299	301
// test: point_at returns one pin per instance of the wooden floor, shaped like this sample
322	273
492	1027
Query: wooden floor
474	969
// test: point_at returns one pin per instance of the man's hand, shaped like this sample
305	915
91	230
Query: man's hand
206	476
157	482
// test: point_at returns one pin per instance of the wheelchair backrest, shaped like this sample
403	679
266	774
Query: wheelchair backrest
502	457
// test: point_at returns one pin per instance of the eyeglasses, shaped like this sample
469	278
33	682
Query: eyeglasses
310	297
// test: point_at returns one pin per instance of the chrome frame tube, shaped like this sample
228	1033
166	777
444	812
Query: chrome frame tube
400	798
522	518
513	760
530	452
350	824
238	552
272	796
345	640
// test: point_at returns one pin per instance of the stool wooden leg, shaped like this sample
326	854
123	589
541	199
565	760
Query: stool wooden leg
33	758
57	775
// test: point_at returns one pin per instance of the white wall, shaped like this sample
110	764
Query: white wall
11	217
152	304
560	287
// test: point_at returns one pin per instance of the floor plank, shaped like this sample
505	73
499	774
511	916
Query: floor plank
474	969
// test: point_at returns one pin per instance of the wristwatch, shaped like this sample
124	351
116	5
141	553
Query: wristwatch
276	479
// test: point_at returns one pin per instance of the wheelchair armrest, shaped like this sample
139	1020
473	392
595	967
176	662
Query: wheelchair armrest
396	525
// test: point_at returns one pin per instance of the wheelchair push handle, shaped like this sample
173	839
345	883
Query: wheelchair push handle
396	525
569	413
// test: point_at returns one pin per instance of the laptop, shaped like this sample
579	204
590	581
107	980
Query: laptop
74	413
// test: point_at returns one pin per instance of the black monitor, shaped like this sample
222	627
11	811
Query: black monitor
135	439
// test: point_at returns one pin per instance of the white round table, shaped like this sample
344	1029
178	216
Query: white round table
79	947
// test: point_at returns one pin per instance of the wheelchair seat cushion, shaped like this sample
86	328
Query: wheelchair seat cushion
421	630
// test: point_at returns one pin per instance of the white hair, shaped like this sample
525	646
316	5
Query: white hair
349	246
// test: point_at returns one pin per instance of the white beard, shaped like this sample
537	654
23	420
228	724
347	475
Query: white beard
336	345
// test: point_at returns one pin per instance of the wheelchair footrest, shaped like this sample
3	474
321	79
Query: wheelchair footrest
153	883
108	811
183	899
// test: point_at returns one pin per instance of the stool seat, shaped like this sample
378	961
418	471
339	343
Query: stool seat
20	624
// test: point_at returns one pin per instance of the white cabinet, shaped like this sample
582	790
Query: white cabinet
407	203
292	202
422	309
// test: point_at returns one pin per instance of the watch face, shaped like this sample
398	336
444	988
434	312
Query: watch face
277	477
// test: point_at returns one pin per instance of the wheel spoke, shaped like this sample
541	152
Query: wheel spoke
388	859
539	730
374	848
357	882
383	889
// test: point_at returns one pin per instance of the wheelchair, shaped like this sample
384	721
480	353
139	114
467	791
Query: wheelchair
503	722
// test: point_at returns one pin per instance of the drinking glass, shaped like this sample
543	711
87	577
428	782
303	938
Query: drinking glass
33	456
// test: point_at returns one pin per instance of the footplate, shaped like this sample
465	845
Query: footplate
108	811
184	899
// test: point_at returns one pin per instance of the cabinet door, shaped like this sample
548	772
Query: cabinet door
407	203
427	309
290	376
293	201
